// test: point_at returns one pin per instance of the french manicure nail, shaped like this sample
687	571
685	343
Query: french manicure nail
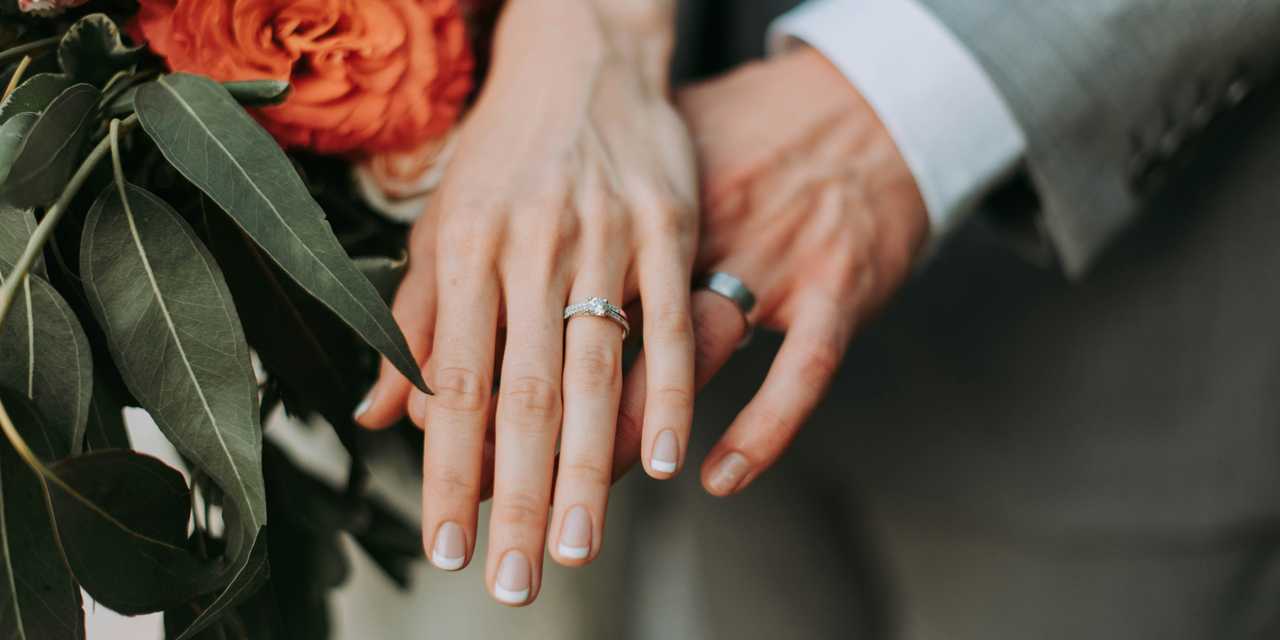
729	473
666	452
366	403
512	584
575	534
450	549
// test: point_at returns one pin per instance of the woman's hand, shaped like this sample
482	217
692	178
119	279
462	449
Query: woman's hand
573	178
807	201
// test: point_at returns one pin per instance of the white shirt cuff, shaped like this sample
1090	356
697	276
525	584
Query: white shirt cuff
948	119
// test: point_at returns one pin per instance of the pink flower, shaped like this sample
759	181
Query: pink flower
47	7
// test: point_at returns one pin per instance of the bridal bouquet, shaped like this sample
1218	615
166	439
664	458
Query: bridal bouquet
185	228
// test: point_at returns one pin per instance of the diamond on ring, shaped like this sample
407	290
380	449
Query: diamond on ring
598	307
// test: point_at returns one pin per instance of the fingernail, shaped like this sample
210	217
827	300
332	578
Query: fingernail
450	549
512	585
575	534
729	473
366	403
666	452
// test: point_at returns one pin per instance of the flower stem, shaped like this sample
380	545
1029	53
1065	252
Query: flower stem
30	47
41	236
17	76
44	231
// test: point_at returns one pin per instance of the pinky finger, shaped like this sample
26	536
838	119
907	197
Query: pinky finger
797	381
414	311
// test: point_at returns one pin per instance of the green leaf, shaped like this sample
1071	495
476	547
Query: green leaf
301	344
247	581
106	428
43	350
92	50
16	227
51	151
12	135
178	619
385	273
259	93
45	355
39	600
121	105
211	140
122	517
174	334
34	95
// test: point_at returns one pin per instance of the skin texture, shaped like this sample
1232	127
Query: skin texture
574	177
808	201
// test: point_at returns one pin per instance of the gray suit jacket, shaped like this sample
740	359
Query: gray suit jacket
1134	388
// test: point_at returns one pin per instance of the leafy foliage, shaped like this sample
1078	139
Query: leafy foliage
148	274
205	243
122	517
203	132
38	597
45	355
34	95
52	149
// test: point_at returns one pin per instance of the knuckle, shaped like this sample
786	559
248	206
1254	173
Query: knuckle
771	422
672	323
595	367
821	362
520	508
606	228
586	471
469	235
677	398
533	397
673	222
453	484
461	389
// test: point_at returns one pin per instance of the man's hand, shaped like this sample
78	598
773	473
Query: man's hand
807	200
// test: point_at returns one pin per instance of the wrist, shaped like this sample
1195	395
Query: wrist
579	37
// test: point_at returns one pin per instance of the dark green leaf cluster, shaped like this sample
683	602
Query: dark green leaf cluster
152	239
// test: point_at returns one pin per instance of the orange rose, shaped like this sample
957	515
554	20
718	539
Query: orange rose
368	75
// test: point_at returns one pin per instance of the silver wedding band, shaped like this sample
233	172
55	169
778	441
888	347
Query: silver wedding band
597	307
727	286
734	290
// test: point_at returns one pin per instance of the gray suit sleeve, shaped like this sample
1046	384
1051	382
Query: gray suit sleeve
1108	91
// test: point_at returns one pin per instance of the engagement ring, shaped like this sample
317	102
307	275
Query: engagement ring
599	308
